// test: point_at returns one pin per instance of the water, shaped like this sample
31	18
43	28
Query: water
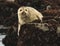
1	37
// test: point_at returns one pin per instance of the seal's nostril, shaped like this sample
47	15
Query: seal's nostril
23	13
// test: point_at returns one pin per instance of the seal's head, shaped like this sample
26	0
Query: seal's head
24	14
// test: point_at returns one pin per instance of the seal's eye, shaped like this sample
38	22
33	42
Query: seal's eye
20	9
25	9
